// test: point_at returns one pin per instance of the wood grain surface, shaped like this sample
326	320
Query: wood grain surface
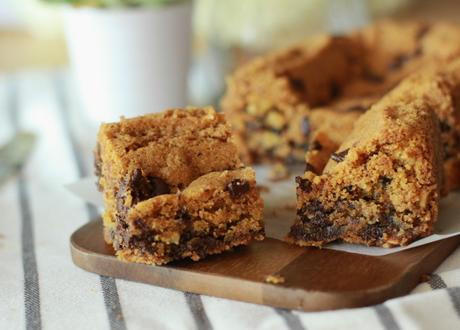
314	279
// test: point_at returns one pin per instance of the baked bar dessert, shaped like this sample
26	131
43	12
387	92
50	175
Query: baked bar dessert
438	86
175	187
382	187
216	212
270	101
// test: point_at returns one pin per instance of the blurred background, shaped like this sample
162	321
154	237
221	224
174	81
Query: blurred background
132	56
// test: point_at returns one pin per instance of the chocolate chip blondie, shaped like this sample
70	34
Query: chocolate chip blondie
270	102
174	187
382	186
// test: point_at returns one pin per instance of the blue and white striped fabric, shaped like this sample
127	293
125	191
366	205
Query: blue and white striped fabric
41	288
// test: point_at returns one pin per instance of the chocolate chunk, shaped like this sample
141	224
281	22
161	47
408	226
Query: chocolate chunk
340	156
297	84
304	184
315	145
314	224
305	126
237	188
398	62
385	224
371	232
145	187
385	181
309	168
183	214
445	127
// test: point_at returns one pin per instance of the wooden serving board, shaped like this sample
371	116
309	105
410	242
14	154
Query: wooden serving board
315	279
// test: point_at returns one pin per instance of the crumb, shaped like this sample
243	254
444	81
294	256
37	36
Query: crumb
278	172
274	279
263	189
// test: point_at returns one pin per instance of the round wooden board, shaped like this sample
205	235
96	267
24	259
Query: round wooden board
314	279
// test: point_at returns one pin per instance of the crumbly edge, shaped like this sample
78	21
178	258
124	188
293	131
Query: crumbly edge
338	205
197	222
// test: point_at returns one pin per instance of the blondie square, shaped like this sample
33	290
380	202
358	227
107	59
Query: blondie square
382	187
151	165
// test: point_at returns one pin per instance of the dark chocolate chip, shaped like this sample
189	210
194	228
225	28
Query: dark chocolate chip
335	89
305	126
309	168
183	214
385	224
398	62
445	127
371	232
385	181
297	84
367	198
316	145
237	188
313	223
145	187
304	184
339	156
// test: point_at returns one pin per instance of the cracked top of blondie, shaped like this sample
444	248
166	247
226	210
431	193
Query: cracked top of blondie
176	146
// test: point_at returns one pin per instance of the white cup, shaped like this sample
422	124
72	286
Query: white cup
129	61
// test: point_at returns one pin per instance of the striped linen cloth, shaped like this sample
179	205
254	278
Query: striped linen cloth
41	288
